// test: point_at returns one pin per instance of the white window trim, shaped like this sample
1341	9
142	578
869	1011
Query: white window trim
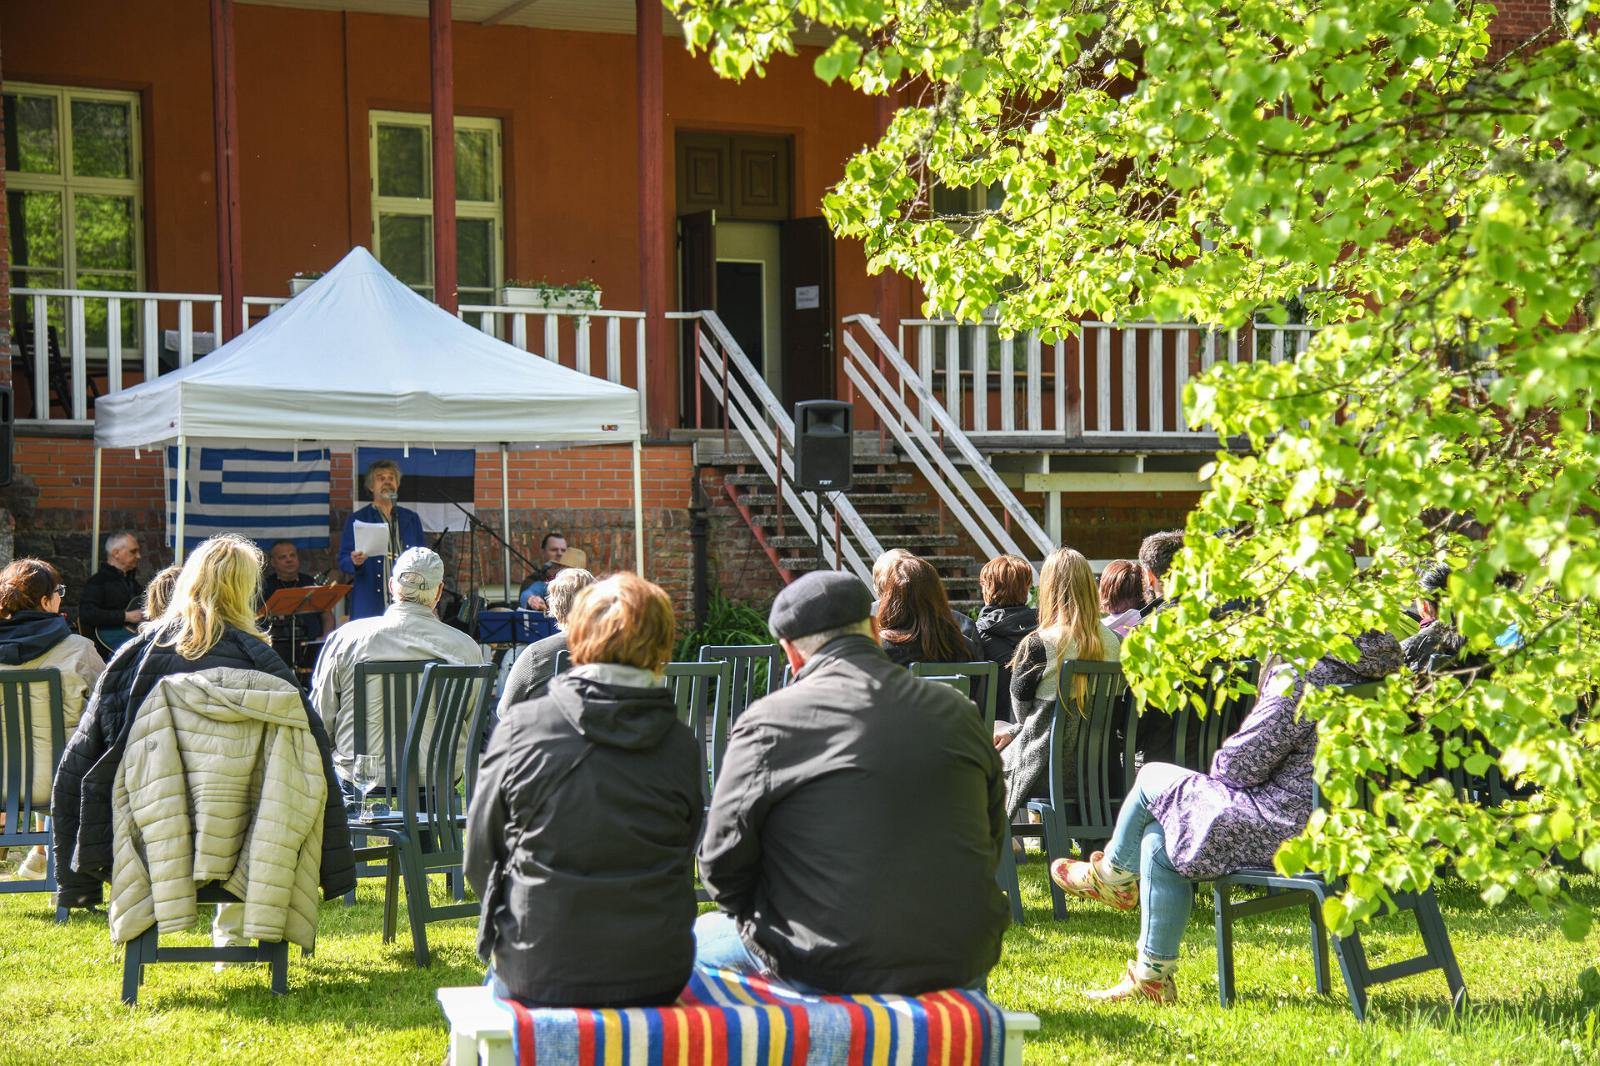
423	206
70	186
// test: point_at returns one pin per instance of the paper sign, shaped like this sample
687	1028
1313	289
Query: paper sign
372	538
807	297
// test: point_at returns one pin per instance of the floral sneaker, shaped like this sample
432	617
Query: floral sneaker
1082	879
1161	990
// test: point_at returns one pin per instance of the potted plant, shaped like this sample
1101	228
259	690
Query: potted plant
580	295
302	281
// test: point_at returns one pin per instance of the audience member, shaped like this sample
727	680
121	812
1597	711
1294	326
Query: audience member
34	636
1437	636
158	593
1155	555
581	834
885	562
407	630
289	637
1006	617
534	595
1069	628
803	853
109	608
530	675
915	623
206	652
1177	827
370	580
1123	589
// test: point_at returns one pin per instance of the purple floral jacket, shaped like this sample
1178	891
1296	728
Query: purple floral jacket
1258	793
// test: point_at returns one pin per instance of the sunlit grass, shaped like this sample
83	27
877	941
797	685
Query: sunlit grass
359	1000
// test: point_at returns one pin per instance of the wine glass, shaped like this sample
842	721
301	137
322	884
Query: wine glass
365	774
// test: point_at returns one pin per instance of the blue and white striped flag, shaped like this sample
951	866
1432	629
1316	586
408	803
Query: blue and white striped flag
263	495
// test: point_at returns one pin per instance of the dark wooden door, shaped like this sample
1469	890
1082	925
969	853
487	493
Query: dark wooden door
697	271
806	248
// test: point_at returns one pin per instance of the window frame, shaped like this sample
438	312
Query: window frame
70	186
422	207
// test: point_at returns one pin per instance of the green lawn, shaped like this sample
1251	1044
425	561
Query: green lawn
358	1000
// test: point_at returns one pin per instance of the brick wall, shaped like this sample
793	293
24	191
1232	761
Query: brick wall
1515	22
584	492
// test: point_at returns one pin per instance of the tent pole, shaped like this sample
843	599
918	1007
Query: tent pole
638	509
183	469
94	532
505	519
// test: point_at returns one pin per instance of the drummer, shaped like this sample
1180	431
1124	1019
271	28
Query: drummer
284	573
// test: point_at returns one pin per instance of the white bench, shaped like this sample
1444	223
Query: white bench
480	1029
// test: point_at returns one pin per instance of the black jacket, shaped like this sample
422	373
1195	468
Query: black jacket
80	802
856	828
1000	630
107	595
580	842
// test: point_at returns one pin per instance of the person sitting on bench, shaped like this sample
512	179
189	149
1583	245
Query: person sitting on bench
858	791
581	833
1177	826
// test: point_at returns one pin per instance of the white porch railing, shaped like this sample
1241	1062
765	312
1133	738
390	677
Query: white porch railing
885	389
1109	379
68	354
754	413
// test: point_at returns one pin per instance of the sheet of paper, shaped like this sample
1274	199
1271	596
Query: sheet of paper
372	538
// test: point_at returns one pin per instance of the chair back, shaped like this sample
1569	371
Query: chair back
30	707
978	681
758	670
563	661
385	694
1197	736
1087	766
450	709
703	694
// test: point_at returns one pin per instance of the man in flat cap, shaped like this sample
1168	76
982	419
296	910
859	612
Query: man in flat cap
858	818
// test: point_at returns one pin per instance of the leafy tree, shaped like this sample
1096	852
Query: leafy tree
1431	198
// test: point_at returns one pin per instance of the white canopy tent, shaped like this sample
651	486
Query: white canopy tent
358	358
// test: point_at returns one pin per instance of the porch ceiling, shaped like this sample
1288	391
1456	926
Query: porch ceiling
590	16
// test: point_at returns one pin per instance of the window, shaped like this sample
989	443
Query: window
73	197
402	202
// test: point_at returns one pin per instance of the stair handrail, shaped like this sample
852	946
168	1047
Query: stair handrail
744	414
953	434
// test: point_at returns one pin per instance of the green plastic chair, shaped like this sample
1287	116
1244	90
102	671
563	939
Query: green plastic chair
961	677
26	696
1086	771
758	670
1197	737
427	836
146	950
703	693
393	685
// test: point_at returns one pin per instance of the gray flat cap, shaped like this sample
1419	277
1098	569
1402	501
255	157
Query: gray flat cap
418	568
818	601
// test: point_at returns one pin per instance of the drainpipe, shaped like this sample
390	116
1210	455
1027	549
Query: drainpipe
698	525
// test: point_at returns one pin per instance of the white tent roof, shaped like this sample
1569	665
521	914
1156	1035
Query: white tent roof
360	357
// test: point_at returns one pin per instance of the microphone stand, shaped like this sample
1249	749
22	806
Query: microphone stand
477	524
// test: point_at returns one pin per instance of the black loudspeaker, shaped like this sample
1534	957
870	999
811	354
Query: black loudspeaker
8	433
822	445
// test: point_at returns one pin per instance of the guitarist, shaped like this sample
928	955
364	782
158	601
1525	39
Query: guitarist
109	609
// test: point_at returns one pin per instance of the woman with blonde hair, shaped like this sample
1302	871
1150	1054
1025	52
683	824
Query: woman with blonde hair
1069	628
581	834
34	636
205	651
159	592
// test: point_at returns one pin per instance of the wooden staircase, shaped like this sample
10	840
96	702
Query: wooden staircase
898	514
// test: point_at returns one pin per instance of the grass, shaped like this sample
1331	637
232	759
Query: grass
360	1000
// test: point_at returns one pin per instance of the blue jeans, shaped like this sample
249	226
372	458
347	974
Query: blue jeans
718	946
1138	843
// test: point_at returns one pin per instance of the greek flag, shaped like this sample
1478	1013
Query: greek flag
263	495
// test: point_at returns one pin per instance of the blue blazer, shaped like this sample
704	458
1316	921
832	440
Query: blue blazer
369	597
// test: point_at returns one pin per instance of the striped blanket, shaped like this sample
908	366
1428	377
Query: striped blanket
728	1019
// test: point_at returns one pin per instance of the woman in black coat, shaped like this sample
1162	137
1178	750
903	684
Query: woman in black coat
581	834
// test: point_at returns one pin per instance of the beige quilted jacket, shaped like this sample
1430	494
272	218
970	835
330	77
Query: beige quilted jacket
220	781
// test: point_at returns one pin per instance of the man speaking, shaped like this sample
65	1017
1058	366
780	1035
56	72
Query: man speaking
404	530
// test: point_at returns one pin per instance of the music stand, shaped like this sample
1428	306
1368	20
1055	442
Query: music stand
308	599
